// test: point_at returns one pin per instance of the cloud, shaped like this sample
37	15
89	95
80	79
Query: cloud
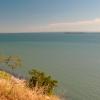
76	23
83	25
76	26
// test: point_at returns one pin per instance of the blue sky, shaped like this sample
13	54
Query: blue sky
49	15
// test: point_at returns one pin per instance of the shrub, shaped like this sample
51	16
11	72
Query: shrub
11	91
39	79
5	75
11	61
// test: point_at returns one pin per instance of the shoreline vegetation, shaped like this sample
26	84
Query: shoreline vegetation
12	88
38	87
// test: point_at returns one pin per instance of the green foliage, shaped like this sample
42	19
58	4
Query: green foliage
5	75
12	61
39	79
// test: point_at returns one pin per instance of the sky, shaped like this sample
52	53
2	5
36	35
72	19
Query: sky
49	16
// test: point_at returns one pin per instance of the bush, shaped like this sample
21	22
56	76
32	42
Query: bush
5	75
11	61
39	79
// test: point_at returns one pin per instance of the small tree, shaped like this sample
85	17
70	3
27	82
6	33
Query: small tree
39	79
11	61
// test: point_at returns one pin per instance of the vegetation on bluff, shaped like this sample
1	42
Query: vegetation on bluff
40	79
5	75
39	86
10	90
11	61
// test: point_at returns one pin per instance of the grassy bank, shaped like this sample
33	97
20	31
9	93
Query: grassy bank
12	88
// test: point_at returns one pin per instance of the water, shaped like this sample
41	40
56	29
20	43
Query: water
73	59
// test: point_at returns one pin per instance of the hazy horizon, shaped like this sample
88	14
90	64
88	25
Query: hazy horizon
19	16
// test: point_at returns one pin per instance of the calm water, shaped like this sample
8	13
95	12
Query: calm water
73	59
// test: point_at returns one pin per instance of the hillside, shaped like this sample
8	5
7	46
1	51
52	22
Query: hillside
12	88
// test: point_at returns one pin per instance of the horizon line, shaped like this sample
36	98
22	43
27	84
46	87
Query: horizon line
50	32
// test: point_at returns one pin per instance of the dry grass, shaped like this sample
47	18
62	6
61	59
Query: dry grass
10	90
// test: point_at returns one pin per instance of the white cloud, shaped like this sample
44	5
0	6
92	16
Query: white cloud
84	22
81	26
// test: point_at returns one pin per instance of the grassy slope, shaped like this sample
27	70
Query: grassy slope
5	75
10	90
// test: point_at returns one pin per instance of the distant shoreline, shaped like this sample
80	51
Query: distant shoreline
44	32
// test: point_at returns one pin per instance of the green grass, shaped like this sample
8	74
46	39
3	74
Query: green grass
5	75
